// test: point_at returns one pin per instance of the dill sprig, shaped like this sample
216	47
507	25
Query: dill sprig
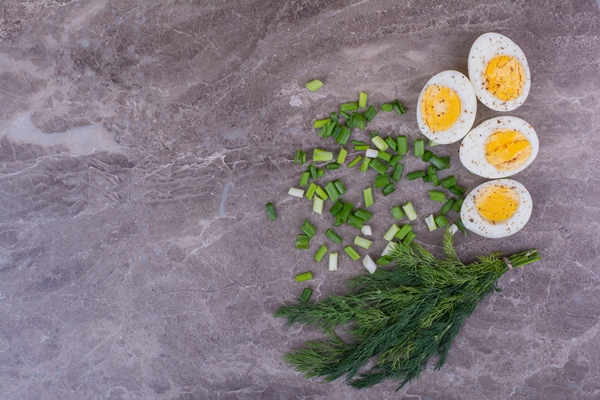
399	316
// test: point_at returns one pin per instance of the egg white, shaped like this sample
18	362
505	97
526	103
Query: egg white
472	148
468	104
476	223
486	47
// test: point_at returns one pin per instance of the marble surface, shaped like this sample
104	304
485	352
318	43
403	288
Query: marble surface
140	141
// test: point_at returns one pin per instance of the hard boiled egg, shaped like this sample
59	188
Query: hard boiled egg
446	108
499	147
499	72
497	208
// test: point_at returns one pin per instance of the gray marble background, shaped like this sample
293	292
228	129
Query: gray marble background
140	141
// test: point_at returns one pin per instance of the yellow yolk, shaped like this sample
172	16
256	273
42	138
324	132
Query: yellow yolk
507	150
505	77
441	107
496	202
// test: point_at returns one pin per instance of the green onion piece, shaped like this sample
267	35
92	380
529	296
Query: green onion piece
382	180
336	207
404	230
363	214
395	160
318	204
427	156
362	242
304	178
426	178
334	116
302	241
300	157
349	106
362	100
354	162
321	253
342	156
383	261
419	148
352	253
437	162
459	224
320	172
332	191
409	210
380	143
457	205
313	171
446	160
397	212
319	123
343	136
447	206
345	114
430	221
441	221
402	143
415	175
366	230
457	190
435	179
371	153
387	107
322	155
374	133
389	189
308	228
397	174
371	113
344	214
398	107
306	276
449	182
333	261
305	296
354	221
333	165
378	166
359	121
334	237
340	187
391	142
296	192
335	132
437	196
433	144
389	235
314	85
384	155
365	164
329	130
410	236
271	211
368	195
321	193
360	147
358	142
311	191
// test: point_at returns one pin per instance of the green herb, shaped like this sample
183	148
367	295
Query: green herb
305	276
419	148
308	228
342	156
354	162
363	214
314	85
305	296
403	315
368	195
271	211
319	123
352	253
388	189
370	113
397	212
320	253
386	107
335	238
333	165
322	155
302	241
352	106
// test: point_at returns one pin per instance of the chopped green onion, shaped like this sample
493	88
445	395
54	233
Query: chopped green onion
383	261
402	143
343	136
398	107
388	249
437	196
334	237
389	189
300	157
352	253
306	276
385	156
302	241
322	155
369	264
311	191
321	253
433	144
320	172
430	221
358	120
441	221
397	174
358	142
334	116
363	214
374	133
449	182
332	191
344	114
313	171
447	206
410	236
453	228
397	212
387	107
342	156
404	230
457	190
333	165
314	85
435	179
371	113
296	192
378	166
271	211
362	100
354	162
419	148
426	178
366	230
354	221
321	193
389	235
382	180
415	175
349	106
371	153
457	205
409	210
328	130
368	195
336	207
380	143
427	156
319	123
340	187
365	164
305	296
437	162
333	261
318	204
344	214
308	228
360	147
461	226
304	178
391	142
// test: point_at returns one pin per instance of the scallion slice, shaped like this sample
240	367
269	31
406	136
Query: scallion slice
369	264
319	123
371	153
391	142
409	210
447	207
300	157
359	121
430	221
382	180
334	116
333	261
457	190
366	230
344	114
305	276
410	236
453	228
383	261
271	211
388	189
386	107
365	164
322	155
343	215
336	207
305	296
311	190
446	160
449	182
437	162
344	135
404	230
441	221
433	144
389	235
302	241
355	221
378	166
352	106
358	142
402	143
418	148
321	193
385	156
415	175
362	100
354	162
368	196
398	107
304	178
334	237
380	143
308	228
397	174
320	172
461	226
363	214
296	192
313	85
374	133
395	160
340	187
457	205
318	204
361	147
388	249
427	155
371	113
352	253
313	171
437	196
342	156
333	166
320	253
397	212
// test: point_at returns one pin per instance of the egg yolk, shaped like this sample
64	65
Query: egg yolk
497	203
507	150
441	107
505	77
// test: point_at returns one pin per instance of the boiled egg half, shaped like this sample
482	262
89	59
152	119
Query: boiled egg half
497	208
499	147
446	107
499	72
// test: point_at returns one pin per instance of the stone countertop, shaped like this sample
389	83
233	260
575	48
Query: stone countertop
140	141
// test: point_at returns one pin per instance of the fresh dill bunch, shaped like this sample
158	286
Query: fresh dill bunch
399	316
